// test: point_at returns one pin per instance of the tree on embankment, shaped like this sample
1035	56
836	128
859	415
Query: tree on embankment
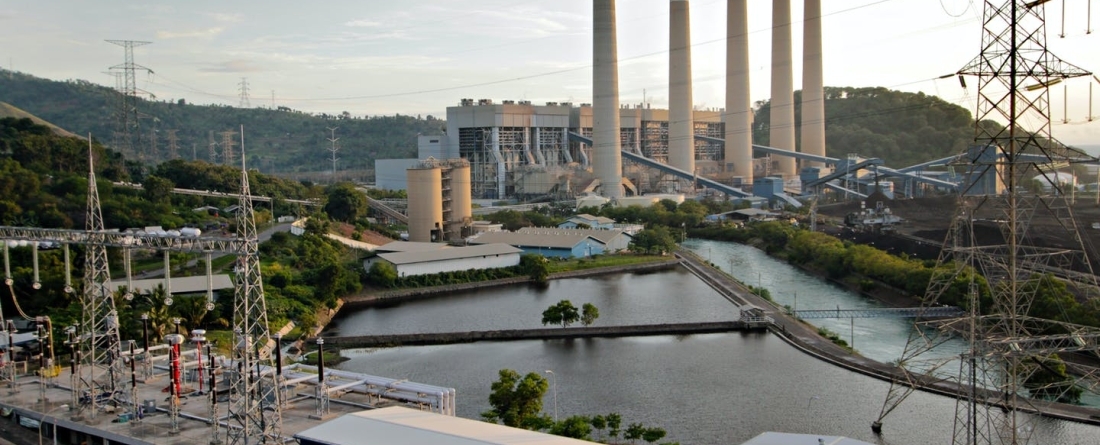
563	313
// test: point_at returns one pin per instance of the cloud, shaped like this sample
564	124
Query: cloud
232	66
226	17
363	23
200	33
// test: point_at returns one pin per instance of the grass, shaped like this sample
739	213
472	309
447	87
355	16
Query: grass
603	261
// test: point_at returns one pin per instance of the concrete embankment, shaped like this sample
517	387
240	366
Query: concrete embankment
805	337
369	298
368	341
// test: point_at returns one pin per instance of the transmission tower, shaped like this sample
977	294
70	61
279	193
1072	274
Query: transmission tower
173	144
1010	365
253	399
333	149
242	88
100	363
126	118
154	151
213	148
227	146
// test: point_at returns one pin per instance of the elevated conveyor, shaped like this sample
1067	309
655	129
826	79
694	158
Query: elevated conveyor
709	183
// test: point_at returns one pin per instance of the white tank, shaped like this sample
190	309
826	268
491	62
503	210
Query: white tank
191	232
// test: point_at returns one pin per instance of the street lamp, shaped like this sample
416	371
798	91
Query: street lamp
43	420
555	384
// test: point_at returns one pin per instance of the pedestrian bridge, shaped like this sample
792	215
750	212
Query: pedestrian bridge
901	312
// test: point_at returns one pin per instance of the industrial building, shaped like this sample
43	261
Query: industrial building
439	199
593	222
557	245
614	240
427	262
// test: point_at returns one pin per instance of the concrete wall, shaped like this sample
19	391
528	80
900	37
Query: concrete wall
389	174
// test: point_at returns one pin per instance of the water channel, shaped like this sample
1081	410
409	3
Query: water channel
703	389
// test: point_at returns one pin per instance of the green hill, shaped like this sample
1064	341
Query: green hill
279	141
900	128
8	110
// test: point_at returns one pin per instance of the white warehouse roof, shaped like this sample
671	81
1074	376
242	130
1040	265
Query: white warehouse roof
560	240
406	426
773	438
448	254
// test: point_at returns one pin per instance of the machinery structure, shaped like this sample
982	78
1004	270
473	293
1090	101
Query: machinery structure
1013	363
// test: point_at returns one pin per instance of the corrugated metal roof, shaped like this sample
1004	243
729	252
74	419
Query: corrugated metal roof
598	219
773	438
410	246
405	426
560	241
181	285
603	235
449	254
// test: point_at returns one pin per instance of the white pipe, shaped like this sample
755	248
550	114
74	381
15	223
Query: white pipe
333	389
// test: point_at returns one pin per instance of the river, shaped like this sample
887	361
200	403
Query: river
703	389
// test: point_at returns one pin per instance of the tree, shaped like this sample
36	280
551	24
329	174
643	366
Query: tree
599	422
653	434
634	432
563	313
517	402
656	240
383	274
576	427
614	423
589	314
535	266
345	202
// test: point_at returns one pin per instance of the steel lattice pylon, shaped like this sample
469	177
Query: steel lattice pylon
101	367
127	125
994	259
254	410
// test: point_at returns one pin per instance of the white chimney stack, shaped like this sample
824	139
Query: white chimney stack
681	124
738	116
607	159
813	89
781	134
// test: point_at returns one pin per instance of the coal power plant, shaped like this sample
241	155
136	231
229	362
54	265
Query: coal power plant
519	150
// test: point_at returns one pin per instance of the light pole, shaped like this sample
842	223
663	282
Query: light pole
555	385
43	420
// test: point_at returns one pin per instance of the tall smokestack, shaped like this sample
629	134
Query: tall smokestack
781	134
607	159
681	125
738	116
813	90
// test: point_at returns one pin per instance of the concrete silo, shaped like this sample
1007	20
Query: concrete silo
425	190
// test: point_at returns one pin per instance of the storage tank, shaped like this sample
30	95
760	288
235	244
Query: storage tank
425	202
461	208
191	232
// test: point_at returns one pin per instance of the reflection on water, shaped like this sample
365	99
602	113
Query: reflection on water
703	389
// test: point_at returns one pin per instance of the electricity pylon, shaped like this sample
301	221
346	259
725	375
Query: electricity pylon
100	364
999	256
254	408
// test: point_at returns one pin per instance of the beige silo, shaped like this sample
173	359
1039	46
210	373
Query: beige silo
425	190
461	203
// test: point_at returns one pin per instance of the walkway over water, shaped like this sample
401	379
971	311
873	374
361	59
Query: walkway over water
371	341
894	312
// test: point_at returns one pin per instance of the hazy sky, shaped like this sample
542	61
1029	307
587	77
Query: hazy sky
420	56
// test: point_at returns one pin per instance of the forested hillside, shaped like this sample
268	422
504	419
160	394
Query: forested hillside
44	183
280	141
900	128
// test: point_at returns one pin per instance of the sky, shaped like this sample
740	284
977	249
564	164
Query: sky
420	56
